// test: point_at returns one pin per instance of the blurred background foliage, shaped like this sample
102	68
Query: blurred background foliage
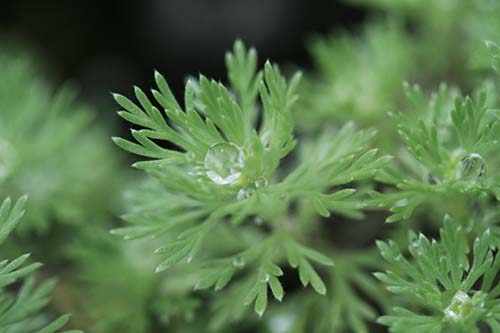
59	61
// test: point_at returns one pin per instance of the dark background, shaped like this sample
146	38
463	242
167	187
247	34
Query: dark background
106	46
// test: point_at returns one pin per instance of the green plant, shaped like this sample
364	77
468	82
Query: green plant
451	155
447	291
222	172
259	186
21	311
67	147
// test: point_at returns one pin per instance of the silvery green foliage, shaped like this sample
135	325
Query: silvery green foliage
449	33
358	76
450	156
21	311
216	168
51	149
448	292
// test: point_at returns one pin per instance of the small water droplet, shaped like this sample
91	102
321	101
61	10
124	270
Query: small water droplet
258	220
265	278
471	167
224	162
238	262
190	156
261	182
450	313
401	203
245	193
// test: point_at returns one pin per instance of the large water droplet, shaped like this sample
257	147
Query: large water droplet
224	162
471	167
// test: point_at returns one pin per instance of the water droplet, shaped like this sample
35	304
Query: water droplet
458	306
224	162
245	193
461	297
415	243
265	278
238	262
281	323
450	313
261	182
190	156
258	220
401	203
471	167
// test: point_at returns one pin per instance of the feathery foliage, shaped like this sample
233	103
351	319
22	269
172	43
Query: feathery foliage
67	146
447	291
220	165
269	184
20	312
451	143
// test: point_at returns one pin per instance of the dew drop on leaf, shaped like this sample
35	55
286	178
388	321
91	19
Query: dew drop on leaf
261	182
224	162
471	167
238	262
458	306
190	156
265	278
258	220
401	203
245	193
